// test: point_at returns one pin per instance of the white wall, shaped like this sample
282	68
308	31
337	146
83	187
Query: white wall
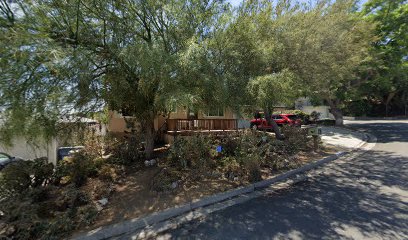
22	149
323	110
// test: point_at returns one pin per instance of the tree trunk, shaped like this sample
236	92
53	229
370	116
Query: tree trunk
272	123
149	134
387	102
406	110
338	115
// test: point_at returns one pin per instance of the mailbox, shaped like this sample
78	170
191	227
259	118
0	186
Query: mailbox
315	131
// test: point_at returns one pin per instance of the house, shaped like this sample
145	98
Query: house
304	104
31	150
181	121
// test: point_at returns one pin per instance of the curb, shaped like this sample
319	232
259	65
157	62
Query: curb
230	198
375	118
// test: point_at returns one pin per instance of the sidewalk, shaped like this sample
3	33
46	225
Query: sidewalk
342	137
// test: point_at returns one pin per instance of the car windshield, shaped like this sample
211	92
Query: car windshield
293	117
4	158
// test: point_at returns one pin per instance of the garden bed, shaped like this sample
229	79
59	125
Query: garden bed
133	197
92	189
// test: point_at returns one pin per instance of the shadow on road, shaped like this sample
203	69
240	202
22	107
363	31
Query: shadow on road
384	131
360	199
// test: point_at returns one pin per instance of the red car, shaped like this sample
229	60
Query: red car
280	119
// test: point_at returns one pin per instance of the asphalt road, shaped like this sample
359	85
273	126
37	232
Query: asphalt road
366	198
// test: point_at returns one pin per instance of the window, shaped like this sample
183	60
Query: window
216	112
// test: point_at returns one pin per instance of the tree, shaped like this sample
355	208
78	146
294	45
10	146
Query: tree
387	76
134	56
270	90
321	44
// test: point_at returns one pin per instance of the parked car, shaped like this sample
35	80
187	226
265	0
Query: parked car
67	151
6	159
280	119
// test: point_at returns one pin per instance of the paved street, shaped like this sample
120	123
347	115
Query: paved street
366	198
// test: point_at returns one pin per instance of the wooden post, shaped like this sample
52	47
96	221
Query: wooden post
315	143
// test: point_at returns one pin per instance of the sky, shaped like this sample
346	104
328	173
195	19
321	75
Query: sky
237	2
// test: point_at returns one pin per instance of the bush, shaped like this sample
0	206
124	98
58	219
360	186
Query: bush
126	151
296	139
282	163
306	118
326	122
231	145
194	153
49	218
77	168
164	179
15	178
314	116
254	169
231	167
108	172
42	171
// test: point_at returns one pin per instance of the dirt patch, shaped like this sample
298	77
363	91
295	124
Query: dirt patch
133	197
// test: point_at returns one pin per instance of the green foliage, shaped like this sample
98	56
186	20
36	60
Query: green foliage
108	172
326	122
15	178
19	176
41	171
37	217
77	168
125	151
242	154
134	57
306	118
383	79
194	153
314	116
270	90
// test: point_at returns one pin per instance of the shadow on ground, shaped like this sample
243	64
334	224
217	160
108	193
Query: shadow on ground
364	199
385	131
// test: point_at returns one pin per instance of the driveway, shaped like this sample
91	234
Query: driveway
365	198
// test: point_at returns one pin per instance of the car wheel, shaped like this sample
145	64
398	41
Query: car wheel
254	127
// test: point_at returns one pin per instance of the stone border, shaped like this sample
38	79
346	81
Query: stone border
236	196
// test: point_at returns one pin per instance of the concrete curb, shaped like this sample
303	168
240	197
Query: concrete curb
375	118
231	197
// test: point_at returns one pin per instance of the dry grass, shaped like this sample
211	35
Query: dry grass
133	196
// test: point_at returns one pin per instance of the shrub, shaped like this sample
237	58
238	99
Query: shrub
326	122
163	180
15	178
94	145
296	139
231	167
282	163
314	116
86	215
108	172
77	167
42	171
306	118
231	145
126	151
254	169
194	153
